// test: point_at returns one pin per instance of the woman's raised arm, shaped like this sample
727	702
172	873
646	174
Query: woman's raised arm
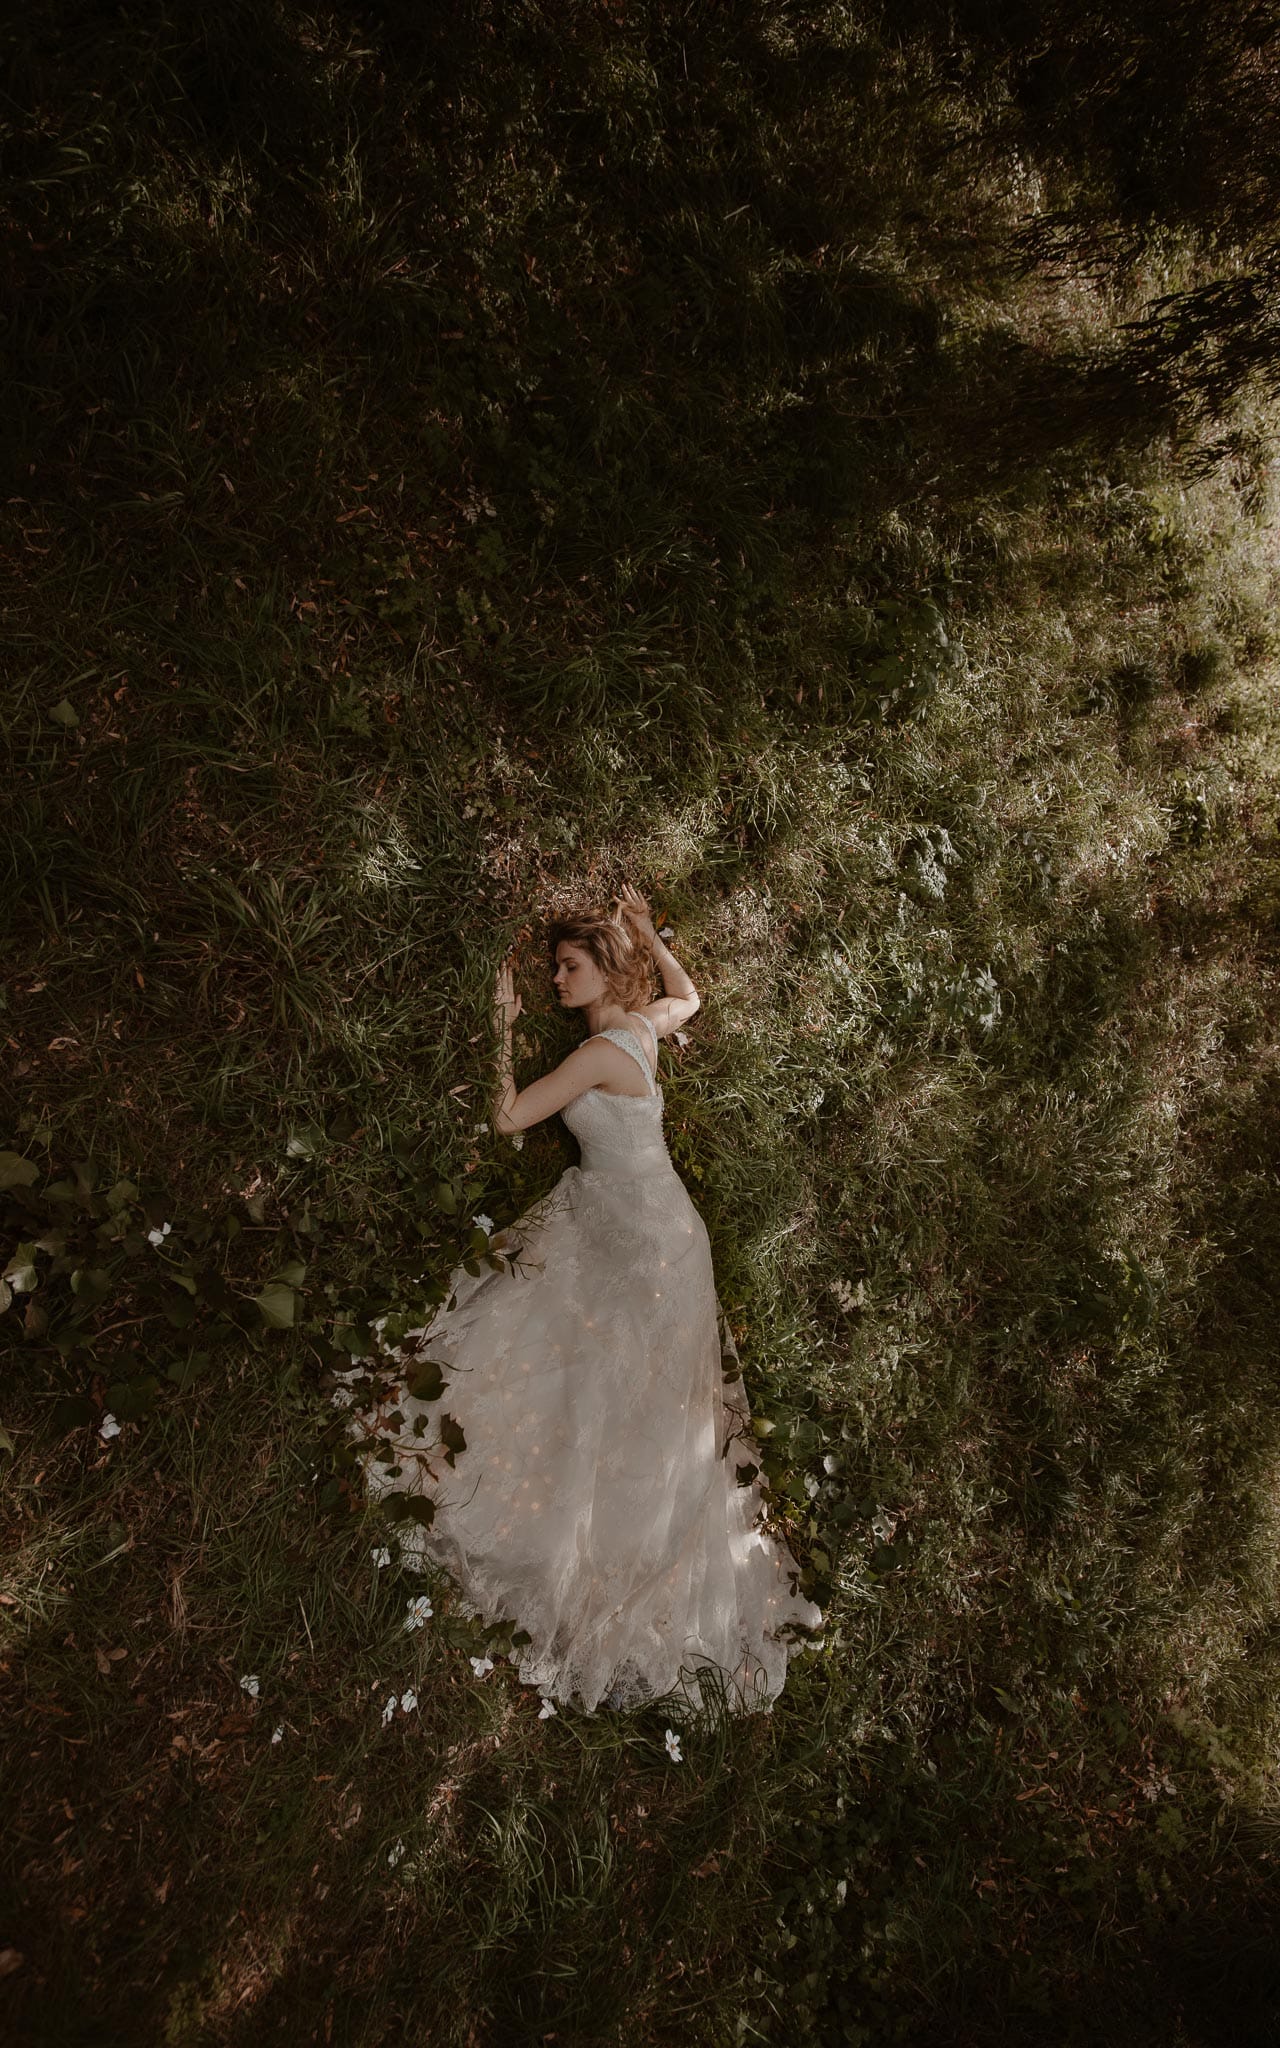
681	998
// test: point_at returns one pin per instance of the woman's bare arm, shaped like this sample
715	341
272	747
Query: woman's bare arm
592	1065
682	998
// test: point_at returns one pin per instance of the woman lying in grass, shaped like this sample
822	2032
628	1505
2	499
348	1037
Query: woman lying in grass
601	1499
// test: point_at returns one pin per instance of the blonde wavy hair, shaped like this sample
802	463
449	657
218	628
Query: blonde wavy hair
627	966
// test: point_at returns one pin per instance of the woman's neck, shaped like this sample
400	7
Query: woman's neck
603	1016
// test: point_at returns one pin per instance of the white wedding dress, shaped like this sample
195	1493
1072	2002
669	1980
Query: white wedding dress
597	1501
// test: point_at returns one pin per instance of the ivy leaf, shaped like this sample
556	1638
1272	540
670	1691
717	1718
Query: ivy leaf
21	1271
452	1437
276	1302
64	714
426	1381
123	1191
91	1284
17	1172
128	1400
293	1274
446	1198
419	1509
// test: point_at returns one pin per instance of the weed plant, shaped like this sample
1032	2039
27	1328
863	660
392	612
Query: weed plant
460	457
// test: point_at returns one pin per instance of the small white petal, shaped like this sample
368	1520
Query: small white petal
249	1684
666	932
109	1428
481	1666
811	1486
395	1854
409	1703
547	1709
517	1140
389	1709
673	1746
381	1556
484	1223
277	1734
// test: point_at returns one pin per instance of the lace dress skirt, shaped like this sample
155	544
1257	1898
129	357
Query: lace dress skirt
601	1500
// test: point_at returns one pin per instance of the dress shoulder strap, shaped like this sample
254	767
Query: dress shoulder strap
619	1034
649	1028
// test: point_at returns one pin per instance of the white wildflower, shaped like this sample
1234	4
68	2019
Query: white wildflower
482	1666
395	1854
842	1886
250	1685
109	1427
409	1703
830	1464
480	1129
159	1236
484	1223
419	1611
666	932
277	1734
381	1556
517	1139
389	1710
811	1486
673	1746
547	1709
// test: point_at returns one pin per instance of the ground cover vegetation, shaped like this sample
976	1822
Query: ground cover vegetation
816	462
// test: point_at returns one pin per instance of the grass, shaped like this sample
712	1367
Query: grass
461	462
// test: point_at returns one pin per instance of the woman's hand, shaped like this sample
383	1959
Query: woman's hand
507	1005
633	907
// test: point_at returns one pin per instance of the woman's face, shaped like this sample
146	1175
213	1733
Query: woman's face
577	979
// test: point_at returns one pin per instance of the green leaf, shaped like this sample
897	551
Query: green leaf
185	1371
17	1172
452	1437
65	714
91	1285
426	1382
123	1191
6	1295
446	1199
127	1400
293	1274
21	1271
419	1509
276	1302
